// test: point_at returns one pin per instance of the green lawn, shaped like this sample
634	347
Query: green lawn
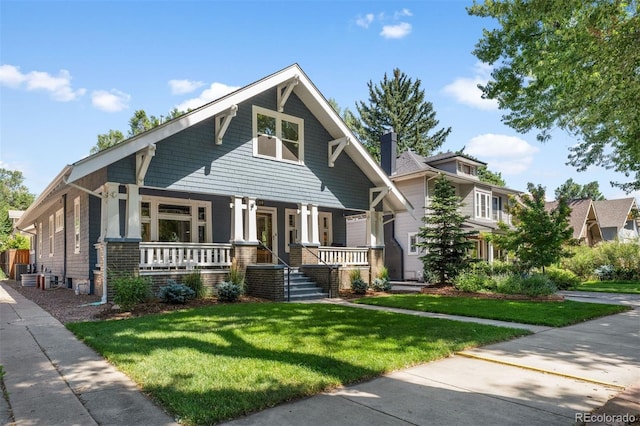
554	314
631	287
219	362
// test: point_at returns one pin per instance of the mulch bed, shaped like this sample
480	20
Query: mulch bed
452	291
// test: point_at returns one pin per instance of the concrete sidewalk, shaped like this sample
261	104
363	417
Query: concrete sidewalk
549	378
52	378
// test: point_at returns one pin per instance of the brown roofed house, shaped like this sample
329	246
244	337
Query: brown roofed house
619	219
583	220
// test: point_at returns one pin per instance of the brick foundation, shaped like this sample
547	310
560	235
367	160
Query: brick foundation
266	281
328	278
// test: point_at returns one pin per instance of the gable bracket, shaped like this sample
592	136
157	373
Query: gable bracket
284	91
222	122
335	148
382	191
143	159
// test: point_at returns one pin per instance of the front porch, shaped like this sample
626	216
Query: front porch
327	266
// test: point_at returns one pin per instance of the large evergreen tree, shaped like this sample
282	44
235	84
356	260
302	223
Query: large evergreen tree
540	237
445	242
398	103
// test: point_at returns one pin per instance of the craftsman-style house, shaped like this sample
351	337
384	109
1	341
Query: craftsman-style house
267	175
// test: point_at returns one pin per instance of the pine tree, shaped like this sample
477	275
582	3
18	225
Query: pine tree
398	103
446	243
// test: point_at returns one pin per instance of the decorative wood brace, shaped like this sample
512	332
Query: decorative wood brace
222	122
336	147
382	191
284	91
143	159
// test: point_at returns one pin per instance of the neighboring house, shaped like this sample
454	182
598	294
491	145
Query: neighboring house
414	175
583	220
267	174
619	219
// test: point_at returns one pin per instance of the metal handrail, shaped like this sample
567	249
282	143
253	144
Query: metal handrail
325	263
285	264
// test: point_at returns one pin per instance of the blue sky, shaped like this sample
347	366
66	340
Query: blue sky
72	70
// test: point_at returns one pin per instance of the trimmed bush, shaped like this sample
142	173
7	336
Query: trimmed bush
357	283
532	285
130	290
563	278
229	291
380	284
176	293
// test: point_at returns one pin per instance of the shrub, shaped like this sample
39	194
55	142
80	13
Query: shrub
357	283
176	293
604	272
582	263
563	278
383	273
130	290
472	282
194	282
380	284
531	285
229	291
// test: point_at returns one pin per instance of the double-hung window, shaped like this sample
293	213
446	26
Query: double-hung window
278	136
59	220
412	244
483	205
76	225
51	234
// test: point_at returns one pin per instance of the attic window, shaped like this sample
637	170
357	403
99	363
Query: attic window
278	136
467	169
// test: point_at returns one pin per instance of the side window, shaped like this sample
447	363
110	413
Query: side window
76	225
412	244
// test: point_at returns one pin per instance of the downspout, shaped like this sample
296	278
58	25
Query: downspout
104	251
64	239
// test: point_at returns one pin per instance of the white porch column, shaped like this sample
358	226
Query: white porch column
375	226
133	212
110	212
237	229
304	223
250	223
489	252
314	224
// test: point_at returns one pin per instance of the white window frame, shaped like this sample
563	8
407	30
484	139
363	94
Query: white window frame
412	247
59	220
481	213
278	136
154	203
40	238
76	225
473	171
51	235
325	217
292	231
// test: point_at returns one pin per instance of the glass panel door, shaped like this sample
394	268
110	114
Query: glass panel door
266	235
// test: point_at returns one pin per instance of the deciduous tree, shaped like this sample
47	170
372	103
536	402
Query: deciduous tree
572	190
573	65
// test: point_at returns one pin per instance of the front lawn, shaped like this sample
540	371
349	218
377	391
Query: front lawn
218	362
630	287
554	314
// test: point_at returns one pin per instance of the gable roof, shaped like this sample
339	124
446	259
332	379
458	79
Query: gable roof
614	213
580	211
305	90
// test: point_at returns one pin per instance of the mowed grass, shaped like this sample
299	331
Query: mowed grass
630	287
554	314
213	363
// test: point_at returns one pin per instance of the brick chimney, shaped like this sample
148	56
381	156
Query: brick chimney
388	146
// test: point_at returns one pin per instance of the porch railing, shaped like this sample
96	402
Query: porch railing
344	255
154	256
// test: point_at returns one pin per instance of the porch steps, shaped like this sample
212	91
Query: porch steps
302	288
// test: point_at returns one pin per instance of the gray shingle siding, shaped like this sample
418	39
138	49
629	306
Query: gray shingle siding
190	161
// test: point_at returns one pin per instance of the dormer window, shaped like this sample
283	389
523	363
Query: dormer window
467	169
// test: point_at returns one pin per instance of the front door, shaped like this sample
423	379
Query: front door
267	235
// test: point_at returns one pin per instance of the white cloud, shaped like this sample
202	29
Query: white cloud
400	30
465	90
402	13
110	101
509	155
365	21
180	87
215	91
59	87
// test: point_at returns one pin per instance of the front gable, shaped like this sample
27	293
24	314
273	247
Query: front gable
191	161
